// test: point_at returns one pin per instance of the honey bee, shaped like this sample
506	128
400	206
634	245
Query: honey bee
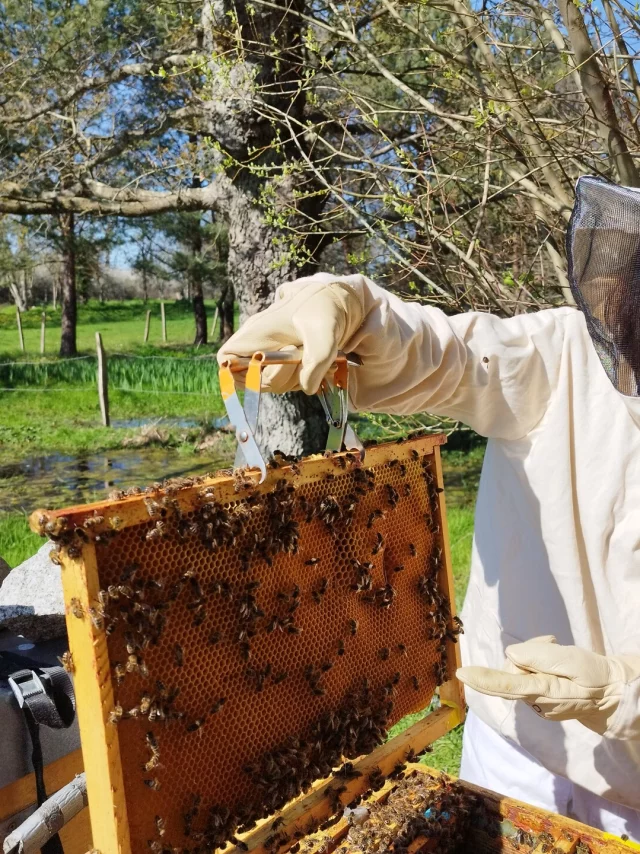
54	556
218	705
66	660
133	663
157	532
199	616
154	761
76	608
214	638
312	561
378	545
245	650
416	683
116	714
353	627
414	454
96	619
384	653
178	655
412	550
193	727
145	703
402	649
119	672
160	826
278	822
153	784
341	649
399	568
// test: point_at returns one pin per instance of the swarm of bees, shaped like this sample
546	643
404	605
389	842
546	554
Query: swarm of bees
257	527
442	813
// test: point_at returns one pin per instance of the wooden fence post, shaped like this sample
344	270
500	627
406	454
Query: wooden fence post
215	321
103	381
19	324
43	325
146	327
164	323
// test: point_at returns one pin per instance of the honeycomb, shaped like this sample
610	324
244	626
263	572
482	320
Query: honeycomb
238	617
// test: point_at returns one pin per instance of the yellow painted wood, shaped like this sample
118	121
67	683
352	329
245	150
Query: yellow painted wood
94	698
130	511
21	794
452	691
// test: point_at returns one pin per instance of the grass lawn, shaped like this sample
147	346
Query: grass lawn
121	325
51	406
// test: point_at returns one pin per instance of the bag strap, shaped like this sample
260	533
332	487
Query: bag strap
46	697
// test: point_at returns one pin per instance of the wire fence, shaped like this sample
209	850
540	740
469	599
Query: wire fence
192	376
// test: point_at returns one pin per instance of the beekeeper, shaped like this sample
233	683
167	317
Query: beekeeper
555	574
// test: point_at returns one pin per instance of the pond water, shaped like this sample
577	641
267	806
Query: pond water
57	480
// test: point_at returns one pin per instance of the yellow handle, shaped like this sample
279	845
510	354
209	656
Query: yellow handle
260	360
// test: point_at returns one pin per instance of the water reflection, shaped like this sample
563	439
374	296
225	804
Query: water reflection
57	480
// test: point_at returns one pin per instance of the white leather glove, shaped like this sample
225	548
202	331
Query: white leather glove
318	314
560	683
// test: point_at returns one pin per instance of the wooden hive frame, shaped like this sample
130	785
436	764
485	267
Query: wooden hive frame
510	827
93	669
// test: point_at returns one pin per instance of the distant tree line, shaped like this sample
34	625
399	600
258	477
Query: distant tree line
434	144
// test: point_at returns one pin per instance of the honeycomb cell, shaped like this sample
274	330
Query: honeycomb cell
242	620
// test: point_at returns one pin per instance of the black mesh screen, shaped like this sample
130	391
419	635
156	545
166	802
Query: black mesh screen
603	250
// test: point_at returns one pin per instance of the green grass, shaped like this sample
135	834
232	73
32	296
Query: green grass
121	325
17	541
58	410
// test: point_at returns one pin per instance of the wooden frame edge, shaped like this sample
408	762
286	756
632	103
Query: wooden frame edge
452	691
94	695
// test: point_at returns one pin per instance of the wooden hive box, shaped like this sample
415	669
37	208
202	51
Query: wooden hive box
299	619
235	642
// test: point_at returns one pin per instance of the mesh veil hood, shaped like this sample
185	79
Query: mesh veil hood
603	252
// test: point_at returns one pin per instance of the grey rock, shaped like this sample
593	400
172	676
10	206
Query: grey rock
31	600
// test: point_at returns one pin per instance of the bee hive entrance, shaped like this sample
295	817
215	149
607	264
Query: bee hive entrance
246	639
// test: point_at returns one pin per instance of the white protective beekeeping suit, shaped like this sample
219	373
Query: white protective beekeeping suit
556	549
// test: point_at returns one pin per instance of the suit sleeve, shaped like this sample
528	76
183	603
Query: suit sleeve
497	375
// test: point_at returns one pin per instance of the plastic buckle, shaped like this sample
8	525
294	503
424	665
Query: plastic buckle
27	684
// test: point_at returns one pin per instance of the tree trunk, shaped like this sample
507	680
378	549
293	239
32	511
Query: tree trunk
226	305
597	93
68	282
292	423
199	309
18	297
260	255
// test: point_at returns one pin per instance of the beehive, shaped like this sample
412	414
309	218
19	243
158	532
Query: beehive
459	817
234	642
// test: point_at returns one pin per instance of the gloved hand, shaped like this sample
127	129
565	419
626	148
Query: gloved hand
492	373
318	314
560	683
